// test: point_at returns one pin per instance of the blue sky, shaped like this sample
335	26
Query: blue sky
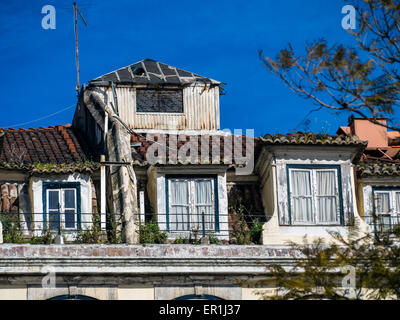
217	39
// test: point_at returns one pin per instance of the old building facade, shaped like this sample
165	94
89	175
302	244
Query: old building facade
145	162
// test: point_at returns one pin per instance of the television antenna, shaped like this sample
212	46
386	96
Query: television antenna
76	12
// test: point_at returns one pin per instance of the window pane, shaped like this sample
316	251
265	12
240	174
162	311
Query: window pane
301	196
327	209
69	219
54	220
179	191
53	199
203	192
382	202
326	184
69	199
179	209
301	183
397	202
327	200
149	100
204	204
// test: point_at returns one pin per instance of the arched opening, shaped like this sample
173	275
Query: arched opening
72	297
198	297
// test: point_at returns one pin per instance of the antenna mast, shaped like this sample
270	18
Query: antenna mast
76	11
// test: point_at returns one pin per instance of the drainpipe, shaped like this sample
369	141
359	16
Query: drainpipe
103	193
103	179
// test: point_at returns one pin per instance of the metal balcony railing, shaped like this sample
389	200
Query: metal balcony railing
383	222
96	228
74	227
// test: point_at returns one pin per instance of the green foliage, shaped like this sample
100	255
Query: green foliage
245	228
80	165
12	232
363	79
182	240
114	229
318	268
93	234
150	233
213	239
47	238
194	236
11	228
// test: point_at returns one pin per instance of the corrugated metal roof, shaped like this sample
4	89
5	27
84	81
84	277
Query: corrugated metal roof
148	71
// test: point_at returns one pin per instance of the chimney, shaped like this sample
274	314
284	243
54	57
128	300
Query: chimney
376	135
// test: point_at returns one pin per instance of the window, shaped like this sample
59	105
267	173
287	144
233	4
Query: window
61	205
387	207
189	199
150	100
314	194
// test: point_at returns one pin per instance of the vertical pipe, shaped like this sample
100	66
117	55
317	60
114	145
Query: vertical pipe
103	179
103	193
142	212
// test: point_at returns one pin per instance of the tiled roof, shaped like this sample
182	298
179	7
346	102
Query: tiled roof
152	72
380	168
301	138
173	144
52	149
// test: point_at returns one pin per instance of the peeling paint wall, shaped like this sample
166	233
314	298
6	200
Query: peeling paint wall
36	183
274	176
375	181
200	104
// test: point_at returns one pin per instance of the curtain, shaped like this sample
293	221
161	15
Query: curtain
326	196
382	202
53	209
204	204
179	209
69	208
301	196
397	203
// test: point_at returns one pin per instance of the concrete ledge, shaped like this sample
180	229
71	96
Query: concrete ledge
137	259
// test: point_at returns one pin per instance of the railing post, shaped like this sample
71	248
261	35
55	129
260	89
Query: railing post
203	225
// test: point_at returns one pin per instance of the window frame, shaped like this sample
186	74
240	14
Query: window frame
192	204
62	186
313	168
393	210
161	112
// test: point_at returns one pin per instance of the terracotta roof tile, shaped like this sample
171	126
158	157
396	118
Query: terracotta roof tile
302	138
24	148
207	146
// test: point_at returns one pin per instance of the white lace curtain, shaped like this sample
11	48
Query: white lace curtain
204	204
301	196
324	195
179	205
383	202
184	215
